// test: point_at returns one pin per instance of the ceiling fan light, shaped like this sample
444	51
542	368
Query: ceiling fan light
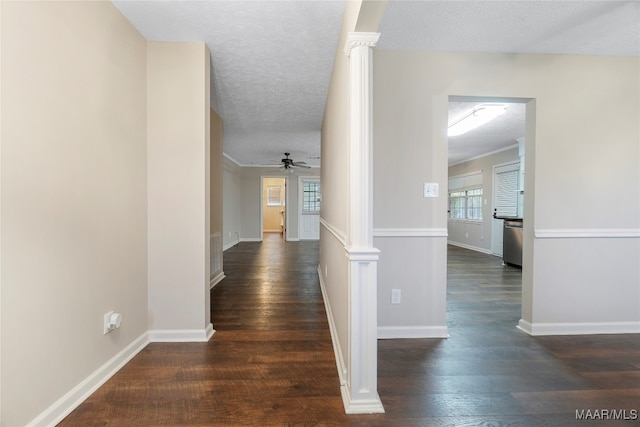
477	117
286	169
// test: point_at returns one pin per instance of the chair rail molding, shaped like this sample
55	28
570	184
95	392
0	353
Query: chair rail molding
410	232
586	233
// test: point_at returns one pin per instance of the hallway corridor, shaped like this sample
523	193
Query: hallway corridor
271	361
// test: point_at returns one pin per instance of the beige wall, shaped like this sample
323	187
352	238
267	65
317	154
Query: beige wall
178	134
73	174
582	159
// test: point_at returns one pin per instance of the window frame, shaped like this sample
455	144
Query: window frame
466	198
315	194
468	201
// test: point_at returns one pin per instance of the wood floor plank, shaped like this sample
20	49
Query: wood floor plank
271	361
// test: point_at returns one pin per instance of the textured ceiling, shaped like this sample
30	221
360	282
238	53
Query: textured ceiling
271	64
271	60
541	26
494	136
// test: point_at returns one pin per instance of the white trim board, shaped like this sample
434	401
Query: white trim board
472	248
575	233
584	328
216	279
251	239
410	232
397	332
71	400
339	235
182	335
230	245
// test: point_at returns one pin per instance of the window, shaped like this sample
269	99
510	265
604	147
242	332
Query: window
474	204
465	197
466	204
274	195
311	197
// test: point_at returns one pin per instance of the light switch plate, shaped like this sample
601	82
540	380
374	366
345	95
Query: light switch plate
430	189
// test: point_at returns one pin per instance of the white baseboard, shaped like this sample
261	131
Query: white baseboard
472	248
182	335
242	239
397	332
340	362
230	245
70	401
216	279
584	328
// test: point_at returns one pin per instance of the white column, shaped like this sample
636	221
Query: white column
360	393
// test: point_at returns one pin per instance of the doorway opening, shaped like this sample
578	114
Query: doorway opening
486	178
274	206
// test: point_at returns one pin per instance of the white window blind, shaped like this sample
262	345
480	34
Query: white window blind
470	180
274	196
507	189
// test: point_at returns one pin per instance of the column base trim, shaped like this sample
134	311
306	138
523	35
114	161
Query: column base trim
182	335
360	406
399	332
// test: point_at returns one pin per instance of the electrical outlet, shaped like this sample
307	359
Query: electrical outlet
106	328
112	322
395	296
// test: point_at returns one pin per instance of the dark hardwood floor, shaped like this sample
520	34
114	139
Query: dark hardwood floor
271	361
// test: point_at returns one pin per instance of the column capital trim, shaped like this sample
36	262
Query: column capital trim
358	39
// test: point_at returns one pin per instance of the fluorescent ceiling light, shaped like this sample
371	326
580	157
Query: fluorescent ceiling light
477	117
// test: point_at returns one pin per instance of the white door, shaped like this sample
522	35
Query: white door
505	200
309	208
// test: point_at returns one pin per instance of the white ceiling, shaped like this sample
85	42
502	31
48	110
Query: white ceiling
494	136
271	60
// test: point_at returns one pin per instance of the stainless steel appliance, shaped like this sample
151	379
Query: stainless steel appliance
512	242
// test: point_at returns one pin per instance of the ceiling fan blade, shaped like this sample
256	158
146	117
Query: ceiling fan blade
301	165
